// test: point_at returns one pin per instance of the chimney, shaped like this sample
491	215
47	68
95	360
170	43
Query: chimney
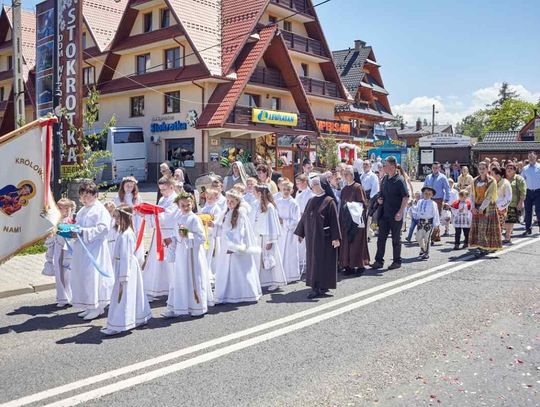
358	45
418	125
402	125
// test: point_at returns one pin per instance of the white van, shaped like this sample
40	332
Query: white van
128	155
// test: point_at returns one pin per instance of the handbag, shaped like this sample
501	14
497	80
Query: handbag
48	269
269	262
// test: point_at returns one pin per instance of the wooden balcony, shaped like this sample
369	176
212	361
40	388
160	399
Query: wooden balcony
296	5
6	74
268	76
296	42
242	115
321	88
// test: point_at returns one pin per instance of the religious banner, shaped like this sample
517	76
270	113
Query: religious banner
70	80
28	212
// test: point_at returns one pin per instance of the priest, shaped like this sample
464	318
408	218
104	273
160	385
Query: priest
319	225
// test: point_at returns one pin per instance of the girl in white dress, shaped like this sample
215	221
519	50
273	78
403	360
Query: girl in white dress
237	276
156	273
267	231
128	194
113	233
129	306
189	284
213	209
92	275
289	216
58	256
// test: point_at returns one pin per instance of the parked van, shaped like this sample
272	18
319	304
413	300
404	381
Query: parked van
128	155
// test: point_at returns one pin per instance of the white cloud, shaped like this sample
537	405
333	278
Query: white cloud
451	109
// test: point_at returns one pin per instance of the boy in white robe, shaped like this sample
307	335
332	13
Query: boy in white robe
267	230
217	184
113	233
289	216
427	214
303	195
249	196
237	276
155	272
92	275
189	284
58	256
129	306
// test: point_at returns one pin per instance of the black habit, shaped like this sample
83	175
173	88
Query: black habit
319	226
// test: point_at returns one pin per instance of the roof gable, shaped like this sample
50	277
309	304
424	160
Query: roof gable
28	38
102	18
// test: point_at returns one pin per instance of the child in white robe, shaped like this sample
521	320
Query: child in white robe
217	184
267	231
113	233
58	256
289	216
237	276
156	273
128	194
303	195
129	306
190	292
213	209
249	196
92	275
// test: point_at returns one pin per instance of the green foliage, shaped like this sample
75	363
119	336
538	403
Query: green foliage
397	122
327	152
474	125
36	248
505	94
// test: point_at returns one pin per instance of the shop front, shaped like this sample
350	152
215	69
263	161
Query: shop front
387	148
443	148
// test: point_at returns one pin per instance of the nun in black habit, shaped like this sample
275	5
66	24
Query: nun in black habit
319	225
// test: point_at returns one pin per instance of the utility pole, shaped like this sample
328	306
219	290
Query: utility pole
433	120
18	80
57	135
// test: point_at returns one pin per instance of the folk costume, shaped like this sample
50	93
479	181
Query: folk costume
237	274
427	214
91	289
129	306
289	216
462	219
58	264
156	273
519	190
190	292
319	226
353	252
485	227
268	230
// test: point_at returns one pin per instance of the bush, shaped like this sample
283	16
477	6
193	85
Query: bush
36	248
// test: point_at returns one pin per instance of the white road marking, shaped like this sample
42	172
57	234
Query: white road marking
241	345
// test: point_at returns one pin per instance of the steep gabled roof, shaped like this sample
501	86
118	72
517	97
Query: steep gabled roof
349	64
28	38
238	20
201	21
102	17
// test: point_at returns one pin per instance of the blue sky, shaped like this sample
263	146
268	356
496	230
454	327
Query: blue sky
452	53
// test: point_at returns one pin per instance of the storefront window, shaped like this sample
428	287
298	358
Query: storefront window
235	150
181	152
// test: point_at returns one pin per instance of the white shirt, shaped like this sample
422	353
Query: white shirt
427	209
504	194
531	173
370	182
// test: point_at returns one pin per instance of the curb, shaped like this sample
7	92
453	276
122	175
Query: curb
27	290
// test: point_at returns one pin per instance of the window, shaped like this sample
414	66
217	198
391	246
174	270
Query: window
165	18
83	41
143	63
287	26
181	152
123	137
147	22
251	100
137	106
172	102
276	103
88	75
9	62
305	70
173	58
272	19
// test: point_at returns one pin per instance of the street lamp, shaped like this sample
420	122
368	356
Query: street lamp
433	120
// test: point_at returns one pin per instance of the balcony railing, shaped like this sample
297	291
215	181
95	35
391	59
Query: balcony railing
298	5
268	76
300	43
317	87
242	115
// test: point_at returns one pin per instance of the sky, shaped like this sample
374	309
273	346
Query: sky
451	53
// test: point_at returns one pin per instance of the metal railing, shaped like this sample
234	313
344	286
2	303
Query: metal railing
298	5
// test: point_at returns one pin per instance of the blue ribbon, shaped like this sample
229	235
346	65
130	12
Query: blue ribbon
91	256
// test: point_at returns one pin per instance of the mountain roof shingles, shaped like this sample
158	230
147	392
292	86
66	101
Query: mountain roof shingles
28	37
102	18
349	64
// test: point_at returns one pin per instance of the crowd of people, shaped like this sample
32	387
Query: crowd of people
255	230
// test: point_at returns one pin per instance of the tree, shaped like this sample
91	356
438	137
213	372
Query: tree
474	125
397	122
425	122
505	93
512	115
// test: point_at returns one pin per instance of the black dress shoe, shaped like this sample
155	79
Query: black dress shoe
456	247
376	265
528	232
314	294
359	271
394	265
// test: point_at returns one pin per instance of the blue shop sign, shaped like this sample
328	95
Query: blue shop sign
163	126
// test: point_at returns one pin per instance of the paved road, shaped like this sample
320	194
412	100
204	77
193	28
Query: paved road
451	331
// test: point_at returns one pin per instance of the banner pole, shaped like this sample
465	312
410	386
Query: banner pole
57	142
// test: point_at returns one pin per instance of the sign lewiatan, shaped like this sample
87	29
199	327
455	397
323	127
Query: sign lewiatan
273	117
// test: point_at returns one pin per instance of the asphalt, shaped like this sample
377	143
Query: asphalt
466	338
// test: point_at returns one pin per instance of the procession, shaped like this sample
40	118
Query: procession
328	203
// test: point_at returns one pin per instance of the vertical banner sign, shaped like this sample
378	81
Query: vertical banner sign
44	58
69	79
